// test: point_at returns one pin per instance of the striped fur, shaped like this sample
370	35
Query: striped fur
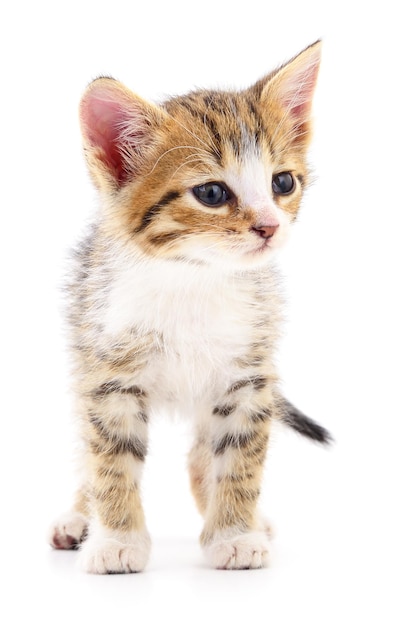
174	304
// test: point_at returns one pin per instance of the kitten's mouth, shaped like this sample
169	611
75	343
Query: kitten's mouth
258	251
263	244
265	235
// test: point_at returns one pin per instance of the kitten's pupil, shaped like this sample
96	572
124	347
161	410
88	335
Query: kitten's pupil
212	194
283	183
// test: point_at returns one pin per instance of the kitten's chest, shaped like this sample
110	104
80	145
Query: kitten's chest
205	323
181	305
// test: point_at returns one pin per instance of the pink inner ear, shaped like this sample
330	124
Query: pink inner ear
103	120
299	98
297	83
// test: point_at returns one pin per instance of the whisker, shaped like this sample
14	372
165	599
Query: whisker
171	150
204	143
188	161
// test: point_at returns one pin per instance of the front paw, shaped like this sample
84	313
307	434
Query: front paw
244	551
108	555
68	531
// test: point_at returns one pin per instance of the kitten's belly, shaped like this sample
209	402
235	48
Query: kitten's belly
194	368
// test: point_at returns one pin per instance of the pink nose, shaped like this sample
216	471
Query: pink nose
265	232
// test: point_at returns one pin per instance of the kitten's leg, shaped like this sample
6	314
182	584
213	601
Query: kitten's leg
116	438
200	466
233	536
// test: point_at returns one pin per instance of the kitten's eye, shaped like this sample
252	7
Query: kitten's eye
283	183
212	194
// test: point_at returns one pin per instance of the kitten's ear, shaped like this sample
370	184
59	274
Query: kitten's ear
292	86
118	130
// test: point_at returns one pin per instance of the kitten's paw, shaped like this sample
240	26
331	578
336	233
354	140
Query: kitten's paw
68	531
247	551
109	555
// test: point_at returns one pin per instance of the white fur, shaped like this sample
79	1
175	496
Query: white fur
240	551
251	181
68	530
107	551
203	320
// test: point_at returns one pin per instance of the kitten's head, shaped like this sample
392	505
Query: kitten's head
215	177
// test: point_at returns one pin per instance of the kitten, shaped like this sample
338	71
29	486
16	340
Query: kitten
174	304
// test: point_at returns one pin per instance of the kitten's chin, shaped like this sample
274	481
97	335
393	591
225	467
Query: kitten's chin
235	260
261	256
257	254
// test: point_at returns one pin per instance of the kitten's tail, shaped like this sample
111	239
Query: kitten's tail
304	425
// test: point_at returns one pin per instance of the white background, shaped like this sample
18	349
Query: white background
332	509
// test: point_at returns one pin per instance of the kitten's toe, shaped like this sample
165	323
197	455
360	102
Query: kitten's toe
68	531
111	556
247	551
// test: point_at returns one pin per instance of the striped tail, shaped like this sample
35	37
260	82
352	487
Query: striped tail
304	425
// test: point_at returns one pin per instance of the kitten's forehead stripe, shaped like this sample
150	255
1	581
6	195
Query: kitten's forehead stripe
200	118
223	120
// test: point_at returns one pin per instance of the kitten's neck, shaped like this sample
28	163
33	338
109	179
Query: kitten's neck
144	291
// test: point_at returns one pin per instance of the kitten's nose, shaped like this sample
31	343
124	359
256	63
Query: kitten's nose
265	232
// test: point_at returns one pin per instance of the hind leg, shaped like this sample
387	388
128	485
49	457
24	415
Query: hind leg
200	469
71	528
